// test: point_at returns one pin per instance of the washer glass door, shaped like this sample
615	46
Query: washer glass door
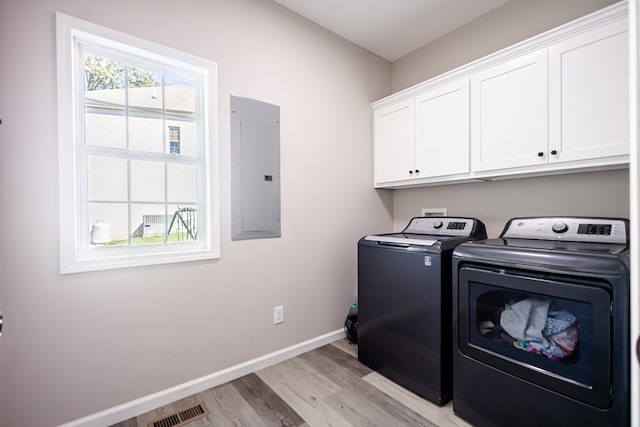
552	331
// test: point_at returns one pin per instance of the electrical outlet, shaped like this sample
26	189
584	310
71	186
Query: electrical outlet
434	211
278	314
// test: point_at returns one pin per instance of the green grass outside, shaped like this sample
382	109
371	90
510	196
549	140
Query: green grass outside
153	240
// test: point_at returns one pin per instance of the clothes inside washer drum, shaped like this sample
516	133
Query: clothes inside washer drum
526	319
537	329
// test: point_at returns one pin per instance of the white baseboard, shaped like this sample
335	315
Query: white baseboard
147	403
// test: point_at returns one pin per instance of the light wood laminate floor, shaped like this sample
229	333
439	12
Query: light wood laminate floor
327	386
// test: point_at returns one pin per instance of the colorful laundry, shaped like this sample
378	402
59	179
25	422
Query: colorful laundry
536	328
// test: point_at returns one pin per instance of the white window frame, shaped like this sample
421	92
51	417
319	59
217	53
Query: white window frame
75	253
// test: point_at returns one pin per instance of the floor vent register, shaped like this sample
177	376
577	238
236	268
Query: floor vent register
183	417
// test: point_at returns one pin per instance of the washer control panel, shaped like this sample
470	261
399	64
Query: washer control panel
441	226
575	229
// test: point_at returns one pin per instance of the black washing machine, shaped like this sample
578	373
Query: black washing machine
543	318
404	302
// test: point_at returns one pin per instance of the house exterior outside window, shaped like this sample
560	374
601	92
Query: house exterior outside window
138	151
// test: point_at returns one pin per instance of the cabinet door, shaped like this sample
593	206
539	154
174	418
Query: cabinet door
394	142
509	113
589	95
442	130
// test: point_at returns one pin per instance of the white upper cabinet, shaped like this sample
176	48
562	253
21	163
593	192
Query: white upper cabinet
556	103
589	95
509	113
394	142
423	137
442	130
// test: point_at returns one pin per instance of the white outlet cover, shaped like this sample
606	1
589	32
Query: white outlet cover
278	314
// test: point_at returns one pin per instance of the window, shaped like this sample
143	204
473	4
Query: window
138	151
174	139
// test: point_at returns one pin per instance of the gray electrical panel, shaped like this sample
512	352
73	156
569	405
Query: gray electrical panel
255	169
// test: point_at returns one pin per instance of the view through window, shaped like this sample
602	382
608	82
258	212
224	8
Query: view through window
137	122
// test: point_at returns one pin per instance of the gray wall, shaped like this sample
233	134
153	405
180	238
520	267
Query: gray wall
502	27
595	193
591	194
77	344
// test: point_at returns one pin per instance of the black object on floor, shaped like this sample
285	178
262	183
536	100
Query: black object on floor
351	324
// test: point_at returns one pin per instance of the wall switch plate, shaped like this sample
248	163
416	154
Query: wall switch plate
434	211
278	314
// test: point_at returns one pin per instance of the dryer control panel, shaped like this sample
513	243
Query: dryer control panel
574	229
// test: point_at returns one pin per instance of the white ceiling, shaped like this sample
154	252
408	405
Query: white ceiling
391	28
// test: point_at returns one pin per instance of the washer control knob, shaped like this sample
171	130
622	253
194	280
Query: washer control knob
437	224
559	227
